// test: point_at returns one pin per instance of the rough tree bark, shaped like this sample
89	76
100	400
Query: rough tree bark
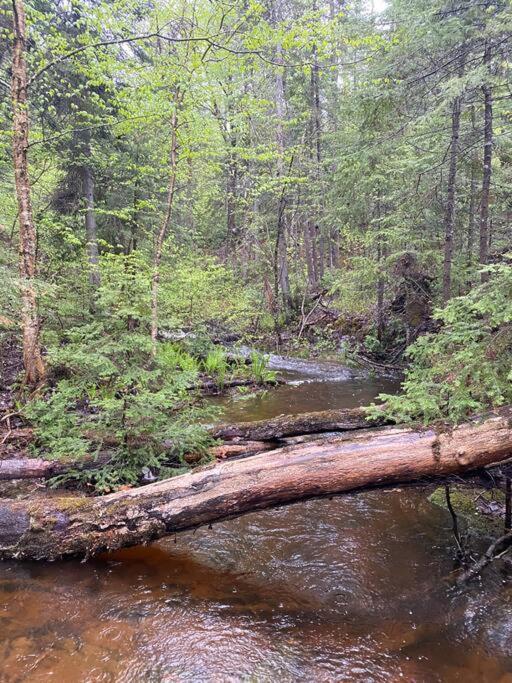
449	218
241	438
486	178
292	425
474	162
91	235
281	278
162	233
56	527
33	361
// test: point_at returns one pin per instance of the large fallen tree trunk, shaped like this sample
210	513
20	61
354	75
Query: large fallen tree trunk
38	468
54	527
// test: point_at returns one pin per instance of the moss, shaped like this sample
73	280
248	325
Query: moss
464	502
73	503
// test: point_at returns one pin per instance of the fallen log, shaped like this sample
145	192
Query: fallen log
39	468
243	448
212	386
55	527
294	425
251	433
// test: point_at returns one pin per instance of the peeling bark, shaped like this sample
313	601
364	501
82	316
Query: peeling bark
33	362
243	438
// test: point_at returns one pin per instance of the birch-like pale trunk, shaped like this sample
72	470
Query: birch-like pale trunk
33	361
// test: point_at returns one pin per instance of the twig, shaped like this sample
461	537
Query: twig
455	522
8	433
305	319
495	551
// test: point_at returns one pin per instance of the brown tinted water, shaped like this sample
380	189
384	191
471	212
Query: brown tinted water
348	589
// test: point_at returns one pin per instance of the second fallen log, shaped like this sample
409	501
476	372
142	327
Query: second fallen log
292	425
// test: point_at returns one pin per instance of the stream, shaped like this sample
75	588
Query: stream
348	589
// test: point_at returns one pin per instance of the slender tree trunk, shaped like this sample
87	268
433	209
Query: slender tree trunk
449	218
33	361
160	238
323	249
472	207
486	179
471	213
231	191
91	235
309	246
380	290
281	277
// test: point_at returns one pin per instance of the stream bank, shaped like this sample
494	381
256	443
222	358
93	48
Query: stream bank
348	589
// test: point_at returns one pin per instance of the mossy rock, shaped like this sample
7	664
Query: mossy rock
464	501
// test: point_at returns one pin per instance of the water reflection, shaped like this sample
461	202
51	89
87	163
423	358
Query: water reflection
348	589
302	394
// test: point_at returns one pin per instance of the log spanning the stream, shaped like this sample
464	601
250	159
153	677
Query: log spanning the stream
47	529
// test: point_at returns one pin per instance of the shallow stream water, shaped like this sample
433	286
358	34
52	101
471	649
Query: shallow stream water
349	589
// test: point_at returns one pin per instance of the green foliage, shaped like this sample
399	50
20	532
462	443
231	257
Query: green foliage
216	365
354	158
205	294
110	392
466	366
259	370
173	357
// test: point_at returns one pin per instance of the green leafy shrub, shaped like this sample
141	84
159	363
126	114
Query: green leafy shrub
205	294
173	357
466	367
259	370
111	394
216	365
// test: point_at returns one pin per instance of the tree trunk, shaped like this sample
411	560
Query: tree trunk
90	225
56	527
472	200
449	218
486	179
380	274
380	291
292	425
33	361
281	277
316	155
241	438
231	193
311	253
162	233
